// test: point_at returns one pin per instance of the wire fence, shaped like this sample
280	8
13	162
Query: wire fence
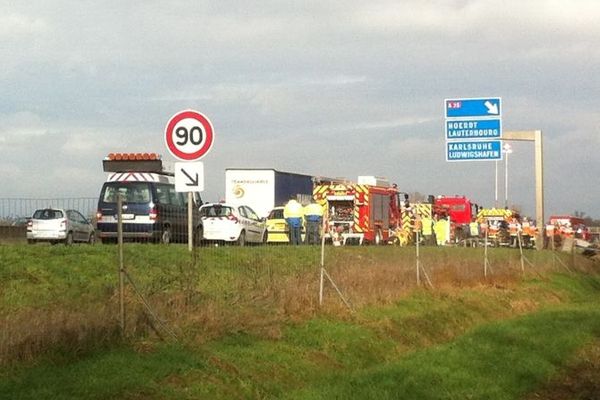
223	285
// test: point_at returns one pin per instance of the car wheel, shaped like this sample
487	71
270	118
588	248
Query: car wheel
92	239
242	239
265	237
30	241
69	239
165	237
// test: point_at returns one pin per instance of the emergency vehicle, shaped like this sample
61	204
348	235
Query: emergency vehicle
461	212
458	209
151	208
496	223
366	211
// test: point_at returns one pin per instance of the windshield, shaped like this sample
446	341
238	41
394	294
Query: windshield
47	214
132	192
276	214
216	211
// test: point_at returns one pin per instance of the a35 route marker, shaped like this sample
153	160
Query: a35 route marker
189	135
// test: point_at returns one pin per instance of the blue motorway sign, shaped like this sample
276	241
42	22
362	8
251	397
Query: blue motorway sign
473	129
475	150
484	107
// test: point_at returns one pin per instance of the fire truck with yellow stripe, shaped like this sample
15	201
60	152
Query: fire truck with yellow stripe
365	211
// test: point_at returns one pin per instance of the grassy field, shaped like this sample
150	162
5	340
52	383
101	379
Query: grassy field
248	323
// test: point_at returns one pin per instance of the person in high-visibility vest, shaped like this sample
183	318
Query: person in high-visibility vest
474	229
428	238
533	232
441	229
313	215
292	212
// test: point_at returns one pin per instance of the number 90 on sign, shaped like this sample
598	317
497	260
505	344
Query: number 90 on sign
189	135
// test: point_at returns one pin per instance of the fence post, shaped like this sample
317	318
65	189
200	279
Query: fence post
121	267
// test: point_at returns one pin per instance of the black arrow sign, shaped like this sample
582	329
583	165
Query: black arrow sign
193	181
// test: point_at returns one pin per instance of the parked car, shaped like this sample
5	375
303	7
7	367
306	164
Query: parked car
277	228
152	208
227	223
56	225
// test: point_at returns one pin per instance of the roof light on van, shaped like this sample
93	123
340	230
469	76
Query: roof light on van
132	156
133	162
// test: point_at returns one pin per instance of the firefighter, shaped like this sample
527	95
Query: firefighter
513	231
313	215
441	229
474	229
292	212
428	238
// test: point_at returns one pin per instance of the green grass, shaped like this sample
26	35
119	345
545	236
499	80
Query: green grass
239	339
503	360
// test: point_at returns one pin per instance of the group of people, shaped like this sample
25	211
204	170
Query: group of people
297	215
432	231
509	231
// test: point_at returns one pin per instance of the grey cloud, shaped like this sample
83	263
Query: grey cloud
323	87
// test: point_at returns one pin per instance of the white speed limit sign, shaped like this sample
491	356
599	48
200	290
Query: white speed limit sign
189	135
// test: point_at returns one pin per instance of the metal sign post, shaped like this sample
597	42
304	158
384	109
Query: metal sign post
418	261
190	221
121	266
536	137
486	261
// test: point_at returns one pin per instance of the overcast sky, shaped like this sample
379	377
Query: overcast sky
331	88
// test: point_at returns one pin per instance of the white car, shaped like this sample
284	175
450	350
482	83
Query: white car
57	225
227	223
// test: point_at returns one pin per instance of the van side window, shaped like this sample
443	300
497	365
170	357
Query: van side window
175	197
162	192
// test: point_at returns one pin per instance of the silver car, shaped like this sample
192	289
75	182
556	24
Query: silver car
56	225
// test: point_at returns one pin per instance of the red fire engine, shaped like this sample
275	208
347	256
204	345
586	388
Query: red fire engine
461	211
366	211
